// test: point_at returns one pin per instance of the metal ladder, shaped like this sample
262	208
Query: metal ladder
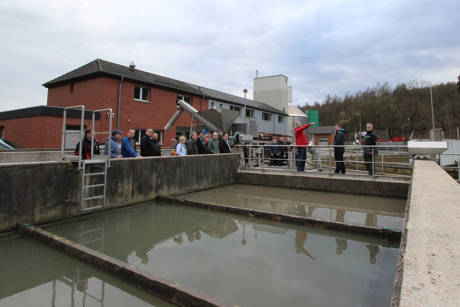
94	168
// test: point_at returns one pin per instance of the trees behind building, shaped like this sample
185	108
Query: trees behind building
402	109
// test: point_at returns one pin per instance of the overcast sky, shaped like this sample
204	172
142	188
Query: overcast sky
324	47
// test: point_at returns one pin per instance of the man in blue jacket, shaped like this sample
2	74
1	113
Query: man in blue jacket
113	147
128	146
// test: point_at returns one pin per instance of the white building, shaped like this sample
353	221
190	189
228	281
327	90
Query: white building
275	91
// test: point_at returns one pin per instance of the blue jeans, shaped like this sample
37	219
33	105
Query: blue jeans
301	157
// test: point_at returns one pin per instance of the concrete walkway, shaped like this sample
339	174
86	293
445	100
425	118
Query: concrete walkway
431	261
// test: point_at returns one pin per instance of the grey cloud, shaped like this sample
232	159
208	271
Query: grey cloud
331	47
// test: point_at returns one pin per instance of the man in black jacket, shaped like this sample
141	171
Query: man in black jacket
147	144
339	141
370	140
224	145
86	147
192	145
156	145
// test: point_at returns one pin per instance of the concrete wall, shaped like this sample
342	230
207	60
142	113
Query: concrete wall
381	187
29	156
41	192
428	270
18	156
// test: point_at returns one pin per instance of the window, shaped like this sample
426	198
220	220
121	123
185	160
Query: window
266	116
280	119
237	109
187	99
74	127
71	88
249	113
212	104
142	94
138	135
2	132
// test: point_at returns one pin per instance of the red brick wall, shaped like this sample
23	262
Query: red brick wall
37	132
102	92
330	138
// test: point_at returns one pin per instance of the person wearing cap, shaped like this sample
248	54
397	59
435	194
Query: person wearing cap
114	150
128	145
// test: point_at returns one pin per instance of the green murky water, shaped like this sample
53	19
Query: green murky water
356	209
241	260
32	274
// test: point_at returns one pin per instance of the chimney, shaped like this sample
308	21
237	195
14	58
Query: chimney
132	65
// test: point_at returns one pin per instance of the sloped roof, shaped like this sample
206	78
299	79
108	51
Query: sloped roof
210	93
100	67
293	110
51	111
321	130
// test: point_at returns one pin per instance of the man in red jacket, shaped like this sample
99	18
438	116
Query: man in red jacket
301	142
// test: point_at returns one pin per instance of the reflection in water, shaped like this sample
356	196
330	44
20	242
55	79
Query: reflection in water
300	240
341	244
32	274
225	255
363	210
373	251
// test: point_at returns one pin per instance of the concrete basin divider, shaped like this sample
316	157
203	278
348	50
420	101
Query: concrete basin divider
171	292
383	233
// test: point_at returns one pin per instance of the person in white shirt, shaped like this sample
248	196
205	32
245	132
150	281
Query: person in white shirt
181	149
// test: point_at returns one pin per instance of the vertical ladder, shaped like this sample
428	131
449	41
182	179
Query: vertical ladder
91	184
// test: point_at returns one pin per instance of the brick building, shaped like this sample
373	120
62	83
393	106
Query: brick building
322	135
139	100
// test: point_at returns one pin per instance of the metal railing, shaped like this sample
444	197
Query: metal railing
387	160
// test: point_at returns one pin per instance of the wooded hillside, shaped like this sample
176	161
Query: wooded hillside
401	109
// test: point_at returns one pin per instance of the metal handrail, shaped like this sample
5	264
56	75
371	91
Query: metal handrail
82	132
257	152
95	133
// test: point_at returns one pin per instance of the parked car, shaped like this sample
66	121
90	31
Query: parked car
5	145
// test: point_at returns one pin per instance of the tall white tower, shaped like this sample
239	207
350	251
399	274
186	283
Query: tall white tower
274	91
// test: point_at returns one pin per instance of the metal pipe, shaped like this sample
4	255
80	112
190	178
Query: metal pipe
92	134
187	107
119	101
82	133
432	113
173	119
63	133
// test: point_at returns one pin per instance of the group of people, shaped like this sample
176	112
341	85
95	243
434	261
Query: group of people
369	150
278	152
201	143
150	145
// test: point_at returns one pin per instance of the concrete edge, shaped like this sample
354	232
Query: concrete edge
388	234
171	292
396	293
381	187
